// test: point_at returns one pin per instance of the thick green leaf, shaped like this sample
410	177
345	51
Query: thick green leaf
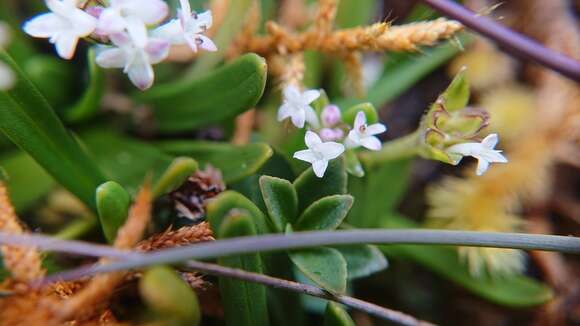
221	206
457	94
362	260
245	303
370	112
88	105
353	165
28	120
168	294
126	160
511	291
28	182
311	188
324	266
234	161
223	94
180	169
113	203
378	192
281	201
324	214
336	316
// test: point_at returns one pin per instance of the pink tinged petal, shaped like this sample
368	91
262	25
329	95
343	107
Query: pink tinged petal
490	141
149	11
298	118
331	115
360	120
305	155
171	31
66	44
137	30
327	134
207	44
291	92
375	129
141	75
284	112
331	150
319	167
120	39
372	143
43	26
482	166
95	11
157	50
111	58
354	138
60	7
311	117
310	95
191	41
110	22
205	19
185	7
311	139
84	24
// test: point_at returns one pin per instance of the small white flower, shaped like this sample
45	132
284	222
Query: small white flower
296	106
63	26
132	16
189	28
484	152
319	153
136	59
364	135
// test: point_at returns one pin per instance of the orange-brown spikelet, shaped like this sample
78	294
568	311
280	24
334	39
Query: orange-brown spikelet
181	237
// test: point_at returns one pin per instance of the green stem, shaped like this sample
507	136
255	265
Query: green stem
77	229
400	148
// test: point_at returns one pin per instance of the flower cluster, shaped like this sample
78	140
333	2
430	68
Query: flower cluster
129	32
7	78
328	136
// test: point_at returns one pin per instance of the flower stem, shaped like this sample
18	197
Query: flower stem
509	39
400	148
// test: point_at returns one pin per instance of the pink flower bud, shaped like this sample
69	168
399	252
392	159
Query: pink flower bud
331	115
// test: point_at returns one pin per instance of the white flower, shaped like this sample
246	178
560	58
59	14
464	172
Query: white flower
136	59
319	153
364	135
296	106
484	152
63	26
132	16
189	28
7	77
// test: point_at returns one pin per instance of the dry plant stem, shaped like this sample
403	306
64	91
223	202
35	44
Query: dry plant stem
25	264
509	39
370	308
244	127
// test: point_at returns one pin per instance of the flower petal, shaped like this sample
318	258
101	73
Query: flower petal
171	31
305	155
137	30
109	57
310	95
298	118
354	138
84	24
311	139
185	7
331	150
375	129
311	117
191	41
482	166
371	142
206	43
44	25
319	167
110	22
150	12
284	112
141	75
205	19
490	141
360	120
157	50
66	44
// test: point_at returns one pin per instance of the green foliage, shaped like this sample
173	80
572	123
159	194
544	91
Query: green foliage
362	260
325	266
220	207
456	96
334	315
311	188
169	295
235	162
223	94
113	203
281	201
326	213
28	120
89	103
54	79
180	169
370	112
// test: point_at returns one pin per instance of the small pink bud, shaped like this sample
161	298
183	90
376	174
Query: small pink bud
328	134
331	115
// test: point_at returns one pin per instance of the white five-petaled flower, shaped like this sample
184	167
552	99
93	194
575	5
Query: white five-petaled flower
319	153
484	152
364	135
132	16
296	106
135	58
189	28
63	26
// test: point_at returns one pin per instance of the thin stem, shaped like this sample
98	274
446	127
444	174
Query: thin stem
400	148
509	39
370	308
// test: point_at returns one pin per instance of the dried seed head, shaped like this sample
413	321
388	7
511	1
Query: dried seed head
176	238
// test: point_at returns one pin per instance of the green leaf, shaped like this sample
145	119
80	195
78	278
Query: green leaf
456	96
88	105
234	161
168	294
227	32
245	303
336	316
28	182
311	188
126	160
512	291
223	94
281	201
222	205
354	13
53	77
180	169
353	165
362	260
370	112
326	213
28	120
113	203
324	266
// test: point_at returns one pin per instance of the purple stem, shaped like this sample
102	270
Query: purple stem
509	39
